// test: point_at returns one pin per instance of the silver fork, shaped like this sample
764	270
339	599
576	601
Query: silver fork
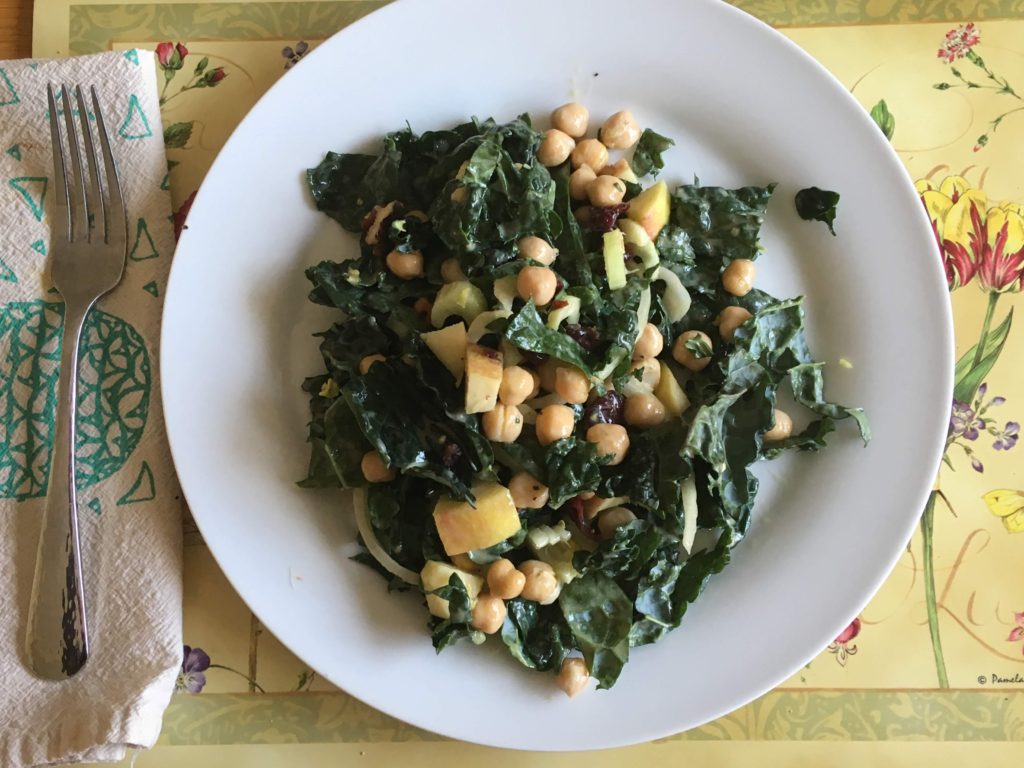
89	247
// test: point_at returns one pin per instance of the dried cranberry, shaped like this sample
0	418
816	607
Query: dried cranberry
587	336
450	453
606	409
558	304
576	514
603	219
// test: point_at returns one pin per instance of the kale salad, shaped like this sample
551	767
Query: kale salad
548	381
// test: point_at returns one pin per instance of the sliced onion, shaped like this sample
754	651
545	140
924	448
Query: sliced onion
677	299
374	547
478	328
689	498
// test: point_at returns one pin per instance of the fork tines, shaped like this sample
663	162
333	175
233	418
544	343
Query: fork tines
89	199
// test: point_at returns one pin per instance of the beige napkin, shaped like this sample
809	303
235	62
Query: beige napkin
129	507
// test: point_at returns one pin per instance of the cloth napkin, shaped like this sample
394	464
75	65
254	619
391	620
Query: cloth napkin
129	502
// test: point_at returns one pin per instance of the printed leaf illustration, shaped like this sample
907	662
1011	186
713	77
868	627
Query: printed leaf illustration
114	384
967	378
176	135
884	119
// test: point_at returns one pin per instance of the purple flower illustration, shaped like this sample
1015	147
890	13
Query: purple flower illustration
192	676
964	421
1007	437
976	464
294	55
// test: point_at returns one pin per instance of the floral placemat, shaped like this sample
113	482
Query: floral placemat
939	653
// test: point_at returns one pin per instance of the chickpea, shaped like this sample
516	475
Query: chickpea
573	676
611	440
613	519
489	614
572	384
367	363
503	423
579	180
451	270
730	319
422	307
537	249
738	277
405	265
590	152
541	584
555	422
537	283
504	580
374	468
459	195
620	131
685	357
548	374
620	169
781	429
584	215
555	148
527	491
606	190
571	119
649	344
516	385
643	410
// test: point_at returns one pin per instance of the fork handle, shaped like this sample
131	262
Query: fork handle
58	641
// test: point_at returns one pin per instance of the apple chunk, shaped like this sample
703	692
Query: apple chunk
436	574
463	528
650	209
449	346
483	378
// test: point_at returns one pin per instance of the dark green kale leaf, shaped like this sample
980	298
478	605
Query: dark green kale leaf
536	635
600	615
571	466
626	555
445	632
527	330
668	588
344	444
410	425
815	204
647	157
337	189
710	227
345	344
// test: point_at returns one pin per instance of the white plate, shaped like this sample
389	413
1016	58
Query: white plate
745	107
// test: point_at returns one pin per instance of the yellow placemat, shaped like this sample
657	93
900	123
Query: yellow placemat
938	656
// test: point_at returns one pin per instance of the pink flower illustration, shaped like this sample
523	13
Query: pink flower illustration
842	647
959	42
1017	633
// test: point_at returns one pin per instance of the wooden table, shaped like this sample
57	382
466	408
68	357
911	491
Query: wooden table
15	29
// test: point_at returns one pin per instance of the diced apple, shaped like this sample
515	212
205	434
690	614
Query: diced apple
463	528
670	393
436	574
458	299
483	378
615	259
650	209
449	346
